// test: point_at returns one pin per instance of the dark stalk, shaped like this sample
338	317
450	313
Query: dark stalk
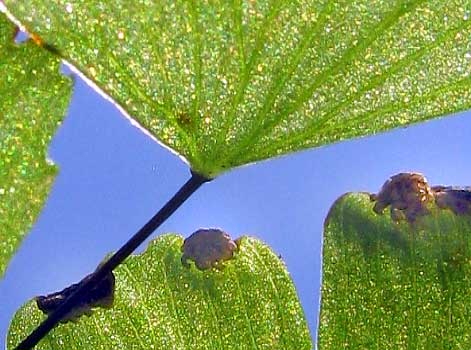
117	258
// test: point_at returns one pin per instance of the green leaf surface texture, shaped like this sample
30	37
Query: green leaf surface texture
225	83
33	100
395	286
160	304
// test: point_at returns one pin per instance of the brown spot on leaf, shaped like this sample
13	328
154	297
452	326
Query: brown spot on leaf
457	199
208	248
407	194
41	43
184	120
37	39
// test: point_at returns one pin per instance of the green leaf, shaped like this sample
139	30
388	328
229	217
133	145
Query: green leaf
390	285
34	98
160	304
225	83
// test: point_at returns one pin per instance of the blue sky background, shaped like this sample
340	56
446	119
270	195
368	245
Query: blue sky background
113	178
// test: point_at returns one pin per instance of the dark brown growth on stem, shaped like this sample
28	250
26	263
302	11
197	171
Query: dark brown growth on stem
407	194
208	248
117	258
100	296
